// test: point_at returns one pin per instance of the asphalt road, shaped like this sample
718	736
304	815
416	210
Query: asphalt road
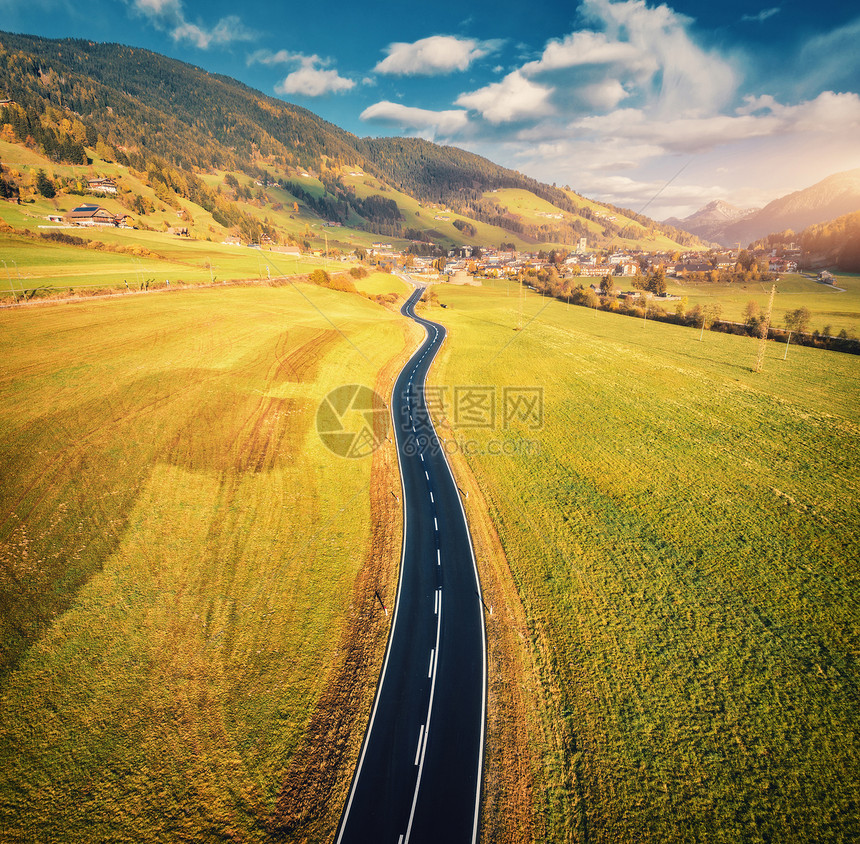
418	778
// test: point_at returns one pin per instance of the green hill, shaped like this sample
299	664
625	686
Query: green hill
226	158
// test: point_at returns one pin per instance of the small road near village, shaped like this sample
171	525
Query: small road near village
418	777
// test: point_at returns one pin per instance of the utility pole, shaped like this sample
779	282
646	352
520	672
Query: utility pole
11	286
762	343
522	296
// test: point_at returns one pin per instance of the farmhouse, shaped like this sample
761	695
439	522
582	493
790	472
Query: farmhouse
597	270
101	185
93	215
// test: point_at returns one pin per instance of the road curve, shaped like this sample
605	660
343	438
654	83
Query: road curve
418	779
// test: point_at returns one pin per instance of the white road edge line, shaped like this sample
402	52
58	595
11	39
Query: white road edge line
430	669
427	728
420	741
483	642
357	775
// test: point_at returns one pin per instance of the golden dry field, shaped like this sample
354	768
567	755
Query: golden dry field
190	636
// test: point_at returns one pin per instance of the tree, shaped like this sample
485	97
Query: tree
746	260
589	298
798	320
656	282
607	286
44	185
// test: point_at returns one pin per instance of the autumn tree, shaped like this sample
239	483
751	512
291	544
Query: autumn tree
798	320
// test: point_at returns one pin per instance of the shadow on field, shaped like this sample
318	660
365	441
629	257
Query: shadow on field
72	477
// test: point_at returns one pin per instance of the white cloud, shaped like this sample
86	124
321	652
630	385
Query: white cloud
169	15
583	48
675	74
604	95
763	149
159	8
832	60
763	15
421	120
311	80
434	55
227	30
759	117
514	98
269	58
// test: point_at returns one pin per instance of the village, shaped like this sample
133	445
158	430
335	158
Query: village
468	264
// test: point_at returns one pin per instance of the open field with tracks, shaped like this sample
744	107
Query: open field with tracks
684	536
189	631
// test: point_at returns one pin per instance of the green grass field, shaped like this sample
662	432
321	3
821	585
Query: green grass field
32	264
828	306
179	555
685	537
381	283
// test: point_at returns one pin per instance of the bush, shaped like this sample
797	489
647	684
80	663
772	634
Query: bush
341	282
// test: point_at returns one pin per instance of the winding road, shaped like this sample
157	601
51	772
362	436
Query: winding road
418	779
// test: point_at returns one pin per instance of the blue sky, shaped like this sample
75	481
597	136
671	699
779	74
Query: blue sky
656	107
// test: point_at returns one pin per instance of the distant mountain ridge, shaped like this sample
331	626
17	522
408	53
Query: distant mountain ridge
828	199
709	222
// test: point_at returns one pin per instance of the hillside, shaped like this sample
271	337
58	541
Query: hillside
180	132
834	244
830	198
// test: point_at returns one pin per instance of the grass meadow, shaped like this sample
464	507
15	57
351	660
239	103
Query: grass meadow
178	557
684	535
381	284
834	307
31	264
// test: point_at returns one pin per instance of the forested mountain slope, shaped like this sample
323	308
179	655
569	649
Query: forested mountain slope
154	114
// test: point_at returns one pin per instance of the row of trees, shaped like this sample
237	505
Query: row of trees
549	283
